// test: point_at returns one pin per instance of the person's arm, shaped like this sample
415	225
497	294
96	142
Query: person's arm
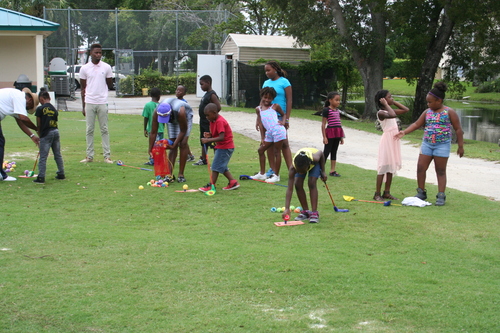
387	112
83	87
259	126
25	124
289	191
210	139
323	130
455	121
109	83
145	127
154	131
416	125
288	94
214	99
277	108
400	108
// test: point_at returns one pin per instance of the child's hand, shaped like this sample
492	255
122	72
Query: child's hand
323	176
204	140
460	151
146	134
399	135
383	101
325	141
286	212
207	135
342	141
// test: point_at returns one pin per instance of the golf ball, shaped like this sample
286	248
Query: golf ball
292	208
185	187
279	210
26	172
141	187
296	210
273	209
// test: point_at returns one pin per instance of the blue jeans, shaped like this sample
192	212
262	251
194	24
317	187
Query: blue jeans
51	140
221	160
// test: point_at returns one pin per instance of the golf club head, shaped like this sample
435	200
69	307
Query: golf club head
244	177
387	203
119	162
339	210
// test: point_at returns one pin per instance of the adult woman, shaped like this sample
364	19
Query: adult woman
283	88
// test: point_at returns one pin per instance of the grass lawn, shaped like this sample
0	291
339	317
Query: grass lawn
400	87
93	253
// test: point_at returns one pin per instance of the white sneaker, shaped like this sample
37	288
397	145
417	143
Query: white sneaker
108	160
8	179
273	179
259	176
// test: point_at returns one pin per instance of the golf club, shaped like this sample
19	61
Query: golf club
333	203
120	163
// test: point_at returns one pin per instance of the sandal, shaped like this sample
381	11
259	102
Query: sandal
387	195
377	197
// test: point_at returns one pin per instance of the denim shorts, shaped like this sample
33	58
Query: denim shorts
441	149
221	160
314	172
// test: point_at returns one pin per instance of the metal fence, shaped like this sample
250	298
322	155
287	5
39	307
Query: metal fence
163	40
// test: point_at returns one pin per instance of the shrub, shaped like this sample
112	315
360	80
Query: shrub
148	78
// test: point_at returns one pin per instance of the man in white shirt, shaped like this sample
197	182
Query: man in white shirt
96	77
15	103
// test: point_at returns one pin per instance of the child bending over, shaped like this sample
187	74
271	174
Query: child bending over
309	161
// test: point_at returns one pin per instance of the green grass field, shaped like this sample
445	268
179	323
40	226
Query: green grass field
93	253
400	87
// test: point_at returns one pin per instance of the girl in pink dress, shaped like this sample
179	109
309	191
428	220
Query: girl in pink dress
389	151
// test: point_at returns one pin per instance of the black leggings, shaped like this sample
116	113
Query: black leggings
331	148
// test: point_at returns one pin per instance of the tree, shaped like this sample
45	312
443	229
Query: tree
361	26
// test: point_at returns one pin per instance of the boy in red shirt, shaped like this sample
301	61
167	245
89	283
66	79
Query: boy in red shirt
222	135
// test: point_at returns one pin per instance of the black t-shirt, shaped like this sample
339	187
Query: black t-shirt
48	121
205	100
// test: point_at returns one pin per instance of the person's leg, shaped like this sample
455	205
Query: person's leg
102	115
45	144
172	156
184	151
2	152
313	192
422	165
277	163
388	182
378	196
271	156
440	164
287	153
56	150
301	193
90	115
267	146
333	156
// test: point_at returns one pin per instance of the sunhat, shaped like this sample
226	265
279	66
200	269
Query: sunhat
35	100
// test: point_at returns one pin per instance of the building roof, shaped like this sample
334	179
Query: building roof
265	41
15	21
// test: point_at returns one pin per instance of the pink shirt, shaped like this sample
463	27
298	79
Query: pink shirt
96	91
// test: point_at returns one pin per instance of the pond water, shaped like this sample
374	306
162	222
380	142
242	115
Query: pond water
480	121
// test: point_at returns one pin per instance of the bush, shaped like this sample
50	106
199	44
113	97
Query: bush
149	78
489	86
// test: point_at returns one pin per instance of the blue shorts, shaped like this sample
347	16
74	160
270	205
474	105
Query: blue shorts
314	172
441	149
221	160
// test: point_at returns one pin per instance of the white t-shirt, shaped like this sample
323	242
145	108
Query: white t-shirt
12	103
96	91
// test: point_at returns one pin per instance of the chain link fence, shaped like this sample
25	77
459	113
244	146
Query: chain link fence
164	40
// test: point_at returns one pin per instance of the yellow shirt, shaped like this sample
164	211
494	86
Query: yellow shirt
309	153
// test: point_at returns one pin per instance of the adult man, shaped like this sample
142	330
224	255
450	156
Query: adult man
179	127
15	103
96	77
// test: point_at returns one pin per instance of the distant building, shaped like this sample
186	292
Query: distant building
247	48
21	47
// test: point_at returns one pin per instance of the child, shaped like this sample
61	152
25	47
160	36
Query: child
305	160
333	134
436	143
209	97
272	133
389	151
222	135
46	120
147	113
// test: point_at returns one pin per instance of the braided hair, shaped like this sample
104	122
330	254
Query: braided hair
302	161
276	67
